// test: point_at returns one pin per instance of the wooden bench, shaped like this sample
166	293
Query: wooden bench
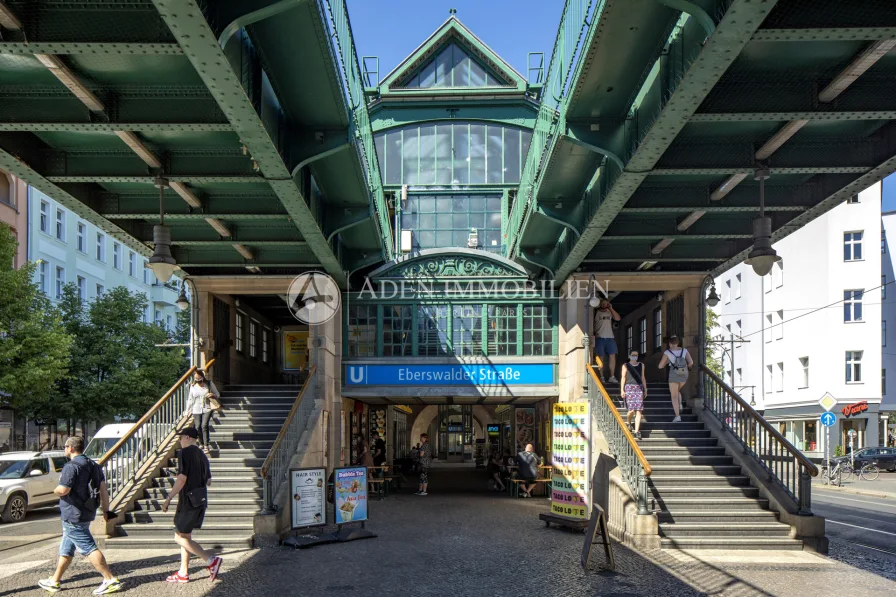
516	482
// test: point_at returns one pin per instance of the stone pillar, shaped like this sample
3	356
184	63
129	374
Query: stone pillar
325	341
573	327
203	328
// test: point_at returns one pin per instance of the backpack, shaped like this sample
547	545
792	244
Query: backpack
678	362
91	501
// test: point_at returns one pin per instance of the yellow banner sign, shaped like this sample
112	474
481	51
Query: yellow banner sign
295	350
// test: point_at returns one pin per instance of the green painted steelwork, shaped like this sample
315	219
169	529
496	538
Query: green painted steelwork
825	34
512	112
788	116
31	48
447	264
94	127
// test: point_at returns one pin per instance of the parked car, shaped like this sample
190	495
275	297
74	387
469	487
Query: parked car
885	458
27	481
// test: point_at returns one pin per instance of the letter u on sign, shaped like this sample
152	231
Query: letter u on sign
356	374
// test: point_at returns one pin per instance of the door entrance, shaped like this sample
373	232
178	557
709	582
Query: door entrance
455	444
221	325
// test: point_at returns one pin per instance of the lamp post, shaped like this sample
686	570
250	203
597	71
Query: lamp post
162	263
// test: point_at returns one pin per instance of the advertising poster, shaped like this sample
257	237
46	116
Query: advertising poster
295	349
351	494
571	451
524	431
308	490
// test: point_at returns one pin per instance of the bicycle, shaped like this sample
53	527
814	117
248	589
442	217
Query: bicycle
869	471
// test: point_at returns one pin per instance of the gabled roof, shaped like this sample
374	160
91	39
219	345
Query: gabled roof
452	36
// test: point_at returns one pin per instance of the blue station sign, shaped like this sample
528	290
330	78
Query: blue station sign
488	374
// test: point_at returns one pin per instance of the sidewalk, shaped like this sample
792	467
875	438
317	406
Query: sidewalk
882	487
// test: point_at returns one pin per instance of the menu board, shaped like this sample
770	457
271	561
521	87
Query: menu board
525	428
571	451
351	494
307	487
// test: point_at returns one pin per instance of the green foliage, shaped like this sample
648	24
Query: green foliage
34	345
838	451
713	362
182	336
116	369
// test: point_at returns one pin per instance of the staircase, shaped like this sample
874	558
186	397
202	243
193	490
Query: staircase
701	497
241	435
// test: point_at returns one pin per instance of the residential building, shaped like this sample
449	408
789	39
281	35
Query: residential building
888	307
813	326
71	250
13	212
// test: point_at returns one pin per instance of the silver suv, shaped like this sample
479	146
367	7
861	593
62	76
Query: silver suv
27	481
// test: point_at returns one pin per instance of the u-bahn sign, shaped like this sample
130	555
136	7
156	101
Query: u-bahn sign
461	374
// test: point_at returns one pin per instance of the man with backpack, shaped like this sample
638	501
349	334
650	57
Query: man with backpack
81	490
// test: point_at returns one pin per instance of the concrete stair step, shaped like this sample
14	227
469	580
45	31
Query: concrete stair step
209	542
724	504
243	435
223	471
703	516
676	433
661	480
672	491
722	529
214	493
658	441
660	418
267	410
670	426
246	482
230	397
714	460
728	543
164	529
244	428
152	504
219	446
241	417
651	450
696	470
214	515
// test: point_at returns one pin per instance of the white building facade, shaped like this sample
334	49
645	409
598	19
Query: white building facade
888	277
814	325
71	250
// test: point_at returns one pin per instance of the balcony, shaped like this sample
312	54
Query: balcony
163	293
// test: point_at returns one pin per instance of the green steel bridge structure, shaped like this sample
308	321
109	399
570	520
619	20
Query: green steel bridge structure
645	126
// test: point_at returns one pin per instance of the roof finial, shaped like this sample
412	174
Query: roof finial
452	11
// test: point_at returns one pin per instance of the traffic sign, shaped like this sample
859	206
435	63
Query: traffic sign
828	419
828	402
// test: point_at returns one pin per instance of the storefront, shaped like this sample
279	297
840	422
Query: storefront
801	426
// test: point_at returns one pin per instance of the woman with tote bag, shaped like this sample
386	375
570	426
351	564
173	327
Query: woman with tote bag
202	403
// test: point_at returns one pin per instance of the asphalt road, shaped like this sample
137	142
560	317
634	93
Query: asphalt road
865	523
39	527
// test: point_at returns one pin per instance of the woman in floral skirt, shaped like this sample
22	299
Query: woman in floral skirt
634	391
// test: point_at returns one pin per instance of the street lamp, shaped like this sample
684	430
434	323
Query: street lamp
162	263
592	284
713	299
763	257
182	302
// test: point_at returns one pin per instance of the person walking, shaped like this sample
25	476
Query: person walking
193	478
634	391
199	405
365	458
679	362
81	489
604	339
424	462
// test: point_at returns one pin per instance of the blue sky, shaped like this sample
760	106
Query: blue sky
889	194
392	29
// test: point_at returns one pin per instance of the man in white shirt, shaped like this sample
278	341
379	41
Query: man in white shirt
604	339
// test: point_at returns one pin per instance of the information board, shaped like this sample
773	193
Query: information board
571	452
308	491
351	494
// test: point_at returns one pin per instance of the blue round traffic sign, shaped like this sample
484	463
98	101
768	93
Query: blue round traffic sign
828	419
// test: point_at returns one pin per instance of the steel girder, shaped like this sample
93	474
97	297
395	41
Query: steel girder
192	31
732	33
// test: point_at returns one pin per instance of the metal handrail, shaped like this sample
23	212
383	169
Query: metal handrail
631	460
784	463
150	434
276	465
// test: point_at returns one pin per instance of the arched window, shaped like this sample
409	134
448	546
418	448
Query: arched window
6	183
452	154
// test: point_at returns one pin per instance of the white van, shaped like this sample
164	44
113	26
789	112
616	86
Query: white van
129	457
105	439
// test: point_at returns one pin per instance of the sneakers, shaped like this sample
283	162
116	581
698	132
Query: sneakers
109	586
637	435
612	379
177	578
676	420
422	493
214	566
47	584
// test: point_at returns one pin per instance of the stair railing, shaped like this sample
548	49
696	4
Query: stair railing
275	469
785	464
634	466
150	435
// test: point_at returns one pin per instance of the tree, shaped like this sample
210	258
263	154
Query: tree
34	346
713	362
117	369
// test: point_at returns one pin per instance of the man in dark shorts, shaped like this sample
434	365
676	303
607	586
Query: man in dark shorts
528	467
81	490
379	450
193	474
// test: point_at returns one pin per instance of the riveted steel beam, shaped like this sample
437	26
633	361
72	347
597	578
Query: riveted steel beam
710	209
114	127
192	31
649	237
828	115
71	200
199	216
718	52
726	171
98	49
695	258
247	242
826	34
193	179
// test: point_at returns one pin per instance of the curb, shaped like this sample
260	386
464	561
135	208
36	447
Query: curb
865	492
